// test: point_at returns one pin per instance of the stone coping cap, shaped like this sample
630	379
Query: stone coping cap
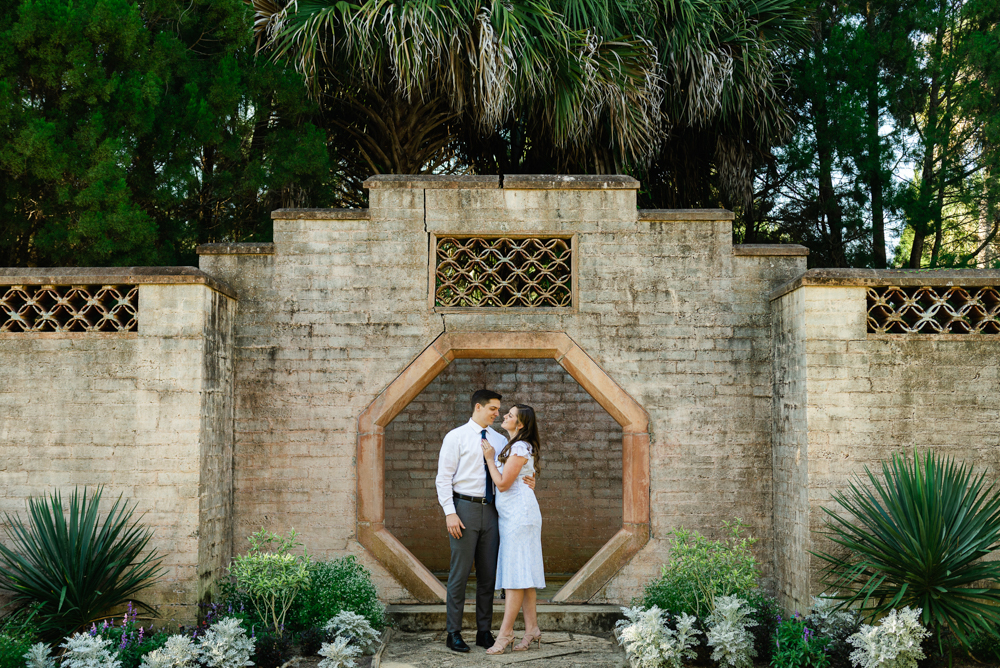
667	215
569	182
320	214
769	249
510	182
235	249
431	181
112	276
912	278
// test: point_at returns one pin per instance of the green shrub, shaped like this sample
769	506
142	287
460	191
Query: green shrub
12	650
336	586
75	566
269	576
917	536
798	646
985	648
766	615
700	569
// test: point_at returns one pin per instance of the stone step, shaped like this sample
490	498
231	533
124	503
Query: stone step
577	618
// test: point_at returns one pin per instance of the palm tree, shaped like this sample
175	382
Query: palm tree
724	98
403	80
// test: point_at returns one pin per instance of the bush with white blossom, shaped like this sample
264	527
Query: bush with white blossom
339	654
894	643
86	651
727	633
650	643
355	628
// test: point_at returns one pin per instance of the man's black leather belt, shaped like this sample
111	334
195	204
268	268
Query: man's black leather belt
474	499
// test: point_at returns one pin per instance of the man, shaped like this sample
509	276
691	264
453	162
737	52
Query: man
466	494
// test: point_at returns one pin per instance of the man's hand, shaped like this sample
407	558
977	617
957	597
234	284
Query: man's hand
529	480
455	525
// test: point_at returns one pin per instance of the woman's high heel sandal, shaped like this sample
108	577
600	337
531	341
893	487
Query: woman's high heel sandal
500	646
526	641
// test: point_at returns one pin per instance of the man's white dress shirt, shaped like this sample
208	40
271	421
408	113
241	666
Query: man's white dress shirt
461	467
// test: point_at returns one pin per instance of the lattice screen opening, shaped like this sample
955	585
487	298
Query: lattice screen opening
69	308
503	272
945	310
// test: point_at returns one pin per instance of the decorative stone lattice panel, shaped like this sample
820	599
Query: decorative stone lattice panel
69	308
503	272
928	310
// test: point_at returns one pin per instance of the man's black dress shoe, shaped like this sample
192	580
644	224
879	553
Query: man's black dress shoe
455	643
485	639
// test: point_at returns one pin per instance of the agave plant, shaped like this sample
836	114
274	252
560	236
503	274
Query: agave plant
75	565
916	536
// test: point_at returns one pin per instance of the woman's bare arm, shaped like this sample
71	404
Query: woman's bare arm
510	469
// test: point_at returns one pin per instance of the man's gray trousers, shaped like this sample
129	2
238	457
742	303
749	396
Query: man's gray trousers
479	544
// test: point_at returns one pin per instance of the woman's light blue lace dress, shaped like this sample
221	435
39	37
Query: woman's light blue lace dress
519	565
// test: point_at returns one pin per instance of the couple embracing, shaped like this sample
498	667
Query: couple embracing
485	484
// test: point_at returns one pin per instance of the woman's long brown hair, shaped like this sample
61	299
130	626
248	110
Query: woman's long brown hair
527	433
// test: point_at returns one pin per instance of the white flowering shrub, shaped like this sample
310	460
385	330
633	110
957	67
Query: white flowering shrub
178	652
894	643
731	642
40	656
355	628
225	645
86	651
828	622
649	643
339	654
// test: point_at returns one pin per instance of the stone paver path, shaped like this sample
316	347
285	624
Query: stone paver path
559	650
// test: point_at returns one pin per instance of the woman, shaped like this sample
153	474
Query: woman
519	566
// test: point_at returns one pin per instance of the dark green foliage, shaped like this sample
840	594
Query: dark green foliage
234	603
798	646
310	640
12	650
75	565
17	634
916	536
766	614
270	650
984	646
132	131
335	586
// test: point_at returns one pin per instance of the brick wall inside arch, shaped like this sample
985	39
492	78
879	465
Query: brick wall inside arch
580	486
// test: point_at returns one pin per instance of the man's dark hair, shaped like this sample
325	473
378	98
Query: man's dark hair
483	397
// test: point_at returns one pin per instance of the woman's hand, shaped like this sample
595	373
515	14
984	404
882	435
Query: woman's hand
488	452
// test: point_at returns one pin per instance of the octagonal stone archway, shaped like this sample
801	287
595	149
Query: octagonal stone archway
406	568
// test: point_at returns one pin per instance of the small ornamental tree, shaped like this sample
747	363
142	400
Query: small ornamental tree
271	576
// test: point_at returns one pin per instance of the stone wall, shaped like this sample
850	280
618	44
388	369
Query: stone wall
579	488
848	399
763	389
147	414
666	306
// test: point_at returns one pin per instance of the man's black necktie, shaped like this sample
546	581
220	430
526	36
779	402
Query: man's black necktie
490	494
